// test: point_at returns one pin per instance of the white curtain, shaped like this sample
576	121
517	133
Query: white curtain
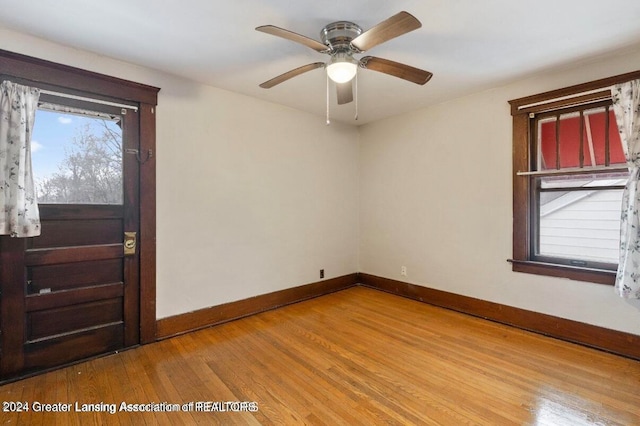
626	105
19	215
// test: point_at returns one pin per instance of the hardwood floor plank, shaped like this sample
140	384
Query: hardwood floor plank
142	387
81	386
282	359
358	356
333	378
393	389
239	374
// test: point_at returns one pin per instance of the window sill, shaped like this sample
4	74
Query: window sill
598	276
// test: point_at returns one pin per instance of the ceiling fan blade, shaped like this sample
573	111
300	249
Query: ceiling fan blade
396	69
290	35
398	24
290	74
345	92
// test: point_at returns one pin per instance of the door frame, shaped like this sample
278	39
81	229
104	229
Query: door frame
76	81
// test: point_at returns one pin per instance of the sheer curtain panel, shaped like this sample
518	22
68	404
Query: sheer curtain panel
19	216
626	105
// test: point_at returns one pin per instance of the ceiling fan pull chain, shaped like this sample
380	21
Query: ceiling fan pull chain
356	88
328	121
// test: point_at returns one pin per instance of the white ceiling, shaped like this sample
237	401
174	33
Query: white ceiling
469	45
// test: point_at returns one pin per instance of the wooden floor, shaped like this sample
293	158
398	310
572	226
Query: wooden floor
358	356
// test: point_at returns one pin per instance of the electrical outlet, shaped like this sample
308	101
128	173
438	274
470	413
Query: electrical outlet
403	271
321	273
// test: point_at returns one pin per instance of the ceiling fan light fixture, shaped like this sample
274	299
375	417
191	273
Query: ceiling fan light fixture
342	68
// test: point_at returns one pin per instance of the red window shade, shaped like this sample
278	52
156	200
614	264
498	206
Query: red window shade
594	141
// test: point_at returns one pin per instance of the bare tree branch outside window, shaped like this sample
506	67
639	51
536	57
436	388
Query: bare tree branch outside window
91	171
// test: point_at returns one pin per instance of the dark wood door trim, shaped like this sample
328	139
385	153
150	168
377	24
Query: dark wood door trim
64	76
147	238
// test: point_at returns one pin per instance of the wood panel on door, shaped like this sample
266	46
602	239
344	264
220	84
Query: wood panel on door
74	297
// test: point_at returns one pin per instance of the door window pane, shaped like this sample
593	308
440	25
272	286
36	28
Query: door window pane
77	158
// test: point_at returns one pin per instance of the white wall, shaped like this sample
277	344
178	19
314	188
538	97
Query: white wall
435	190
252	197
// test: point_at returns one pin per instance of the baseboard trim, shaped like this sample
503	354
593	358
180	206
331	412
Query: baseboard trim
617	342
191	321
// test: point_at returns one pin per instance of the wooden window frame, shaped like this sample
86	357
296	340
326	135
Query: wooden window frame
521	108
76	81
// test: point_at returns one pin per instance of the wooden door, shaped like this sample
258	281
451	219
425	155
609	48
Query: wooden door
72	293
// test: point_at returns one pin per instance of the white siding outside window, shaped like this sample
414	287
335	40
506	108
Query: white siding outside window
582	225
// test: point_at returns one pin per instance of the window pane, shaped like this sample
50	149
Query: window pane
77	158
584	180
547	144
596	123
581	224
593	137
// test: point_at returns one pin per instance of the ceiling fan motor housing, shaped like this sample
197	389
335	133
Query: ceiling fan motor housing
338	35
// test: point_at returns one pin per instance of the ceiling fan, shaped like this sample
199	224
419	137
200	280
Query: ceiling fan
343	39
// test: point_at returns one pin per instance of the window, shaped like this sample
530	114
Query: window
77	154
576	212
569	174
